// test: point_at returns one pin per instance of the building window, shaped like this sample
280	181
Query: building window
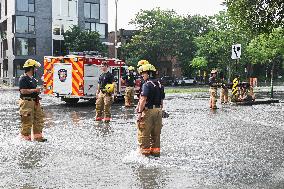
100	28
25	24
6	7
25	46
92	10
58	30
59	48
25	5
72	8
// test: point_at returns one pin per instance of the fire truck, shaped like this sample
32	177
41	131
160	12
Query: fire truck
75	77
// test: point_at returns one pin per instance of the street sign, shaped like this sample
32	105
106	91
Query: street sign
236	51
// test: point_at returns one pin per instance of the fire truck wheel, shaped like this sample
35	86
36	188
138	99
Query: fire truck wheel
70	100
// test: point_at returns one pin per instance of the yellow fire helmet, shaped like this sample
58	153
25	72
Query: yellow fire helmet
142	62
31	63
109	88
131	68
213	71
146	68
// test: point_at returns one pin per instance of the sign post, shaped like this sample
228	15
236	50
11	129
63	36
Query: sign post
236	54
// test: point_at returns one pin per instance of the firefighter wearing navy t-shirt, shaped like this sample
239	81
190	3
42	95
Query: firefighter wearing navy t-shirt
149	120
106	88
141	63
32	116
129	80
213	89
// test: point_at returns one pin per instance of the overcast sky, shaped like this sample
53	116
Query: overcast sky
128	8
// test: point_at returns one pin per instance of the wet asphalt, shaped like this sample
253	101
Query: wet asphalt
232	147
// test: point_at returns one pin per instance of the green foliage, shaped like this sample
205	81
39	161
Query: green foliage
158	36
199	62
266	47
256	16
80	40
164	34
216	45
192	27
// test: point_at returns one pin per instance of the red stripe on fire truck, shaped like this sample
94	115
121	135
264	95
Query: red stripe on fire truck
77	77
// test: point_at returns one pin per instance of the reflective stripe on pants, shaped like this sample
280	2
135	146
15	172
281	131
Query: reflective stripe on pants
149	131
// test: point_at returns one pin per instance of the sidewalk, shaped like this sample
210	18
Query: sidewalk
5	87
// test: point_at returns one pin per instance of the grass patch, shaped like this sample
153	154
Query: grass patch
185	90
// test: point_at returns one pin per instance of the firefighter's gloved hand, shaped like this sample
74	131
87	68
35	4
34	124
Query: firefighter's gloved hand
139	117
114	97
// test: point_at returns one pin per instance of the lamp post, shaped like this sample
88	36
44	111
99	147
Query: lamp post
115	31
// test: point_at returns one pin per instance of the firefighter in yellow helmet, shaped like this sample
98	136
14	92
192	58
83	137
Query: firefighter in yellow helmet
32	116
106	88
142	62
129	80
139	64
213	89
149	120
224	90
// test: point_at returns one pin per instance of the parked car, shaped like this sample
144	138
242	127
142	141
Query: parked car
186	81
167	80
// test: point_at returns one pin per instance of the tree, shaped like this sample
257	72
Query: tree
199	62
216	45
257	16
268	48
157	35
79	40
192	27
165	35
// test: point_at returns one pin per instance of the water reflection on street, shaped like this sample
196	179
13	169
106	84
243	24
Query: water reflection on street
231	147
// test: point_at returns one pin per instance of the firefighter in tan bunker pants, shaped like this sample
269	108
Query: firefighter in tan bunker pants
129	80
224	92
213	89
106	88
149	120
32	116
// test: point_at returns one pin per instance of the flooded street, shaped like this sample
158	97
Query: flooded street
233	147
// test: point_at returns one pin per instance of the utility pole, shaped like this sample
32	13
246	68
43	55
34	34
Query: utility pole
115	31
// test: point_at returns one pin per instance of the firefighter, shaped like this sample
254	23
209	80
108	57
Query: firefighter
247	93
213	89
129	80
32	116
224	93
149	120
140	63
106	88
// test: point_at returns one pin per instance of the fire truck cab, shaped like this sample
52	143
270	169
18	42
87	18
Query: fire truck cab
75	77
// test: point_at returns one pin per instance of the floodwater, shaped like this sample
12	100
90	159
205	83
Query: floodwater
233	147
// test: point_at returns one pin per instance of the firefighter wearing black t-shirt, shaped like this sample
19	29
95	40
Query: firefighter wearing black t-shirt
141	63
213	89
149	121
106	88
30	110
129	80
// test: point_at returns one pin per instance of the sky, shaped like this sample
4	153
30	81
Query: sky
126	9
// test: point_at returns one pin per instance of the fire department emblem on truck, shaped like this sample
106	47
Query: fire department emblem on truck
62	74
